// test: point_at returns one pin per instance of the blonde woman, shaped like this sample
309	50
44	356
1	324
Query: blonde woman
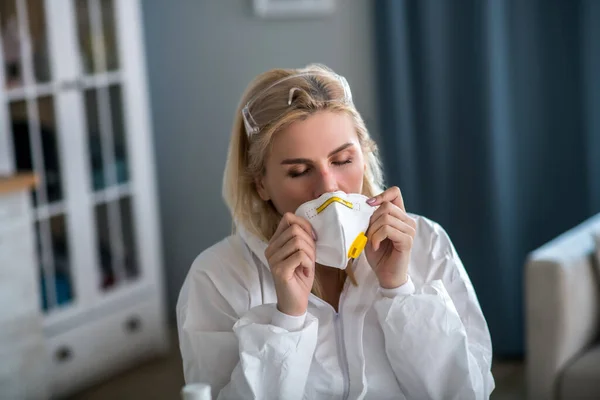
260	318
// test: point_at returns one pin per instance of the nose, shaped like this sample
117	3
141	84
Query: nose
326	182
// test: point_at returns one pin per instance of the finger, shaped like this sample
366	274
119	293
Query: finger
392	221
402	241
306	265
290	233
304	224
284	223
286	269
393	195
391	209
298	243
387	210
287	220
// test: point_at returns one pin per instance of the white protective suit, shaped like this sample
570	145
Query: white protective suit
427	339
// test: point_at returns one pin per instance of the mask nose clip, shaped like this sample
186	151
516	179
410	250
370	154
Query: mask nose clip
334	199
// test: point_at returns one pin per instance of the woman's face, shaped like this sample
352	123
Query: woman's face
318	155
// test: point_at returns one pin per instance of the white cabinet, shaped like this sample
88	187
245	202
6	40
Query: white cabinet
74	109
22	344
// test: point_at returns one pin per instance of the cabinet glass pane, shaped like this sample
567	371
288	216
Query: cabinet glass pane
37	149
105	257
46	297
129	240
39	40
96	22
119	137
11	44
50	138
12	41
117	252
84	33
55	264
107	140
110	34
94	140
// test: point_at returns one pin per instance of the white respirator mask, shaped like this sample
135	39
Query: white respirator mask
340	222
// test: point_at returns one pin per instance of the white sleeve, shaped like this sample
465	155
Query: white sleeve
437	340
254	356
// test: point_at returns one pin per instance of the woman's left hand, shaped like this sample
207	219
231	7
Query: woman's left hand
391	232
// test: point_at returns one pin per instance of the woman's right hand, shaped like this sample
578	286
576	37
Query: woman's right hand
291	255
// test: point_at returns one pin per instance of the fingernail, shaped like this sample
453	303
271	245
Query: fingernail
314	235
371	200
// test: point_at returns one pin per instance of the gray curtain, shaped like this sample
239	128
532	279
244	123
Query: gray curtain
490	125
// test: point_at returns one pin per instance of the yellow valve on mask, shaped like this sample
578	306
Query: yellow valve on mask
358	245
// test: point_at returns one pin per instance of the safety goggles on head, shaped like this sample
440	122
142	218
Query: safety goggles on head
257	117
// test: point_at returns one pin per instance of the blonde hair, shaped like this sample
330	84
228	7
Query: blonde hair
248	153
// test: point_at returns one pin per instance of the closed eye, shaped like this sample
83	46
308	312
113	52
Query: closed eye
339	163
295	174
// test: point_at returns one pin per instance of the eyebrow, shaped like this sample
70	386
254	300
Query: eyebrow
307	161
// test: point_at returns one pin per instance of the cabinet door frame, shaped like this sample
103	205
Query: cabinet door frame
74	158
138	125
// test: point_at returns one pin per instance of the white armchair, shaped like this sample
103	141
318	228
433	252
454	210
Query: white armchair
562	295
